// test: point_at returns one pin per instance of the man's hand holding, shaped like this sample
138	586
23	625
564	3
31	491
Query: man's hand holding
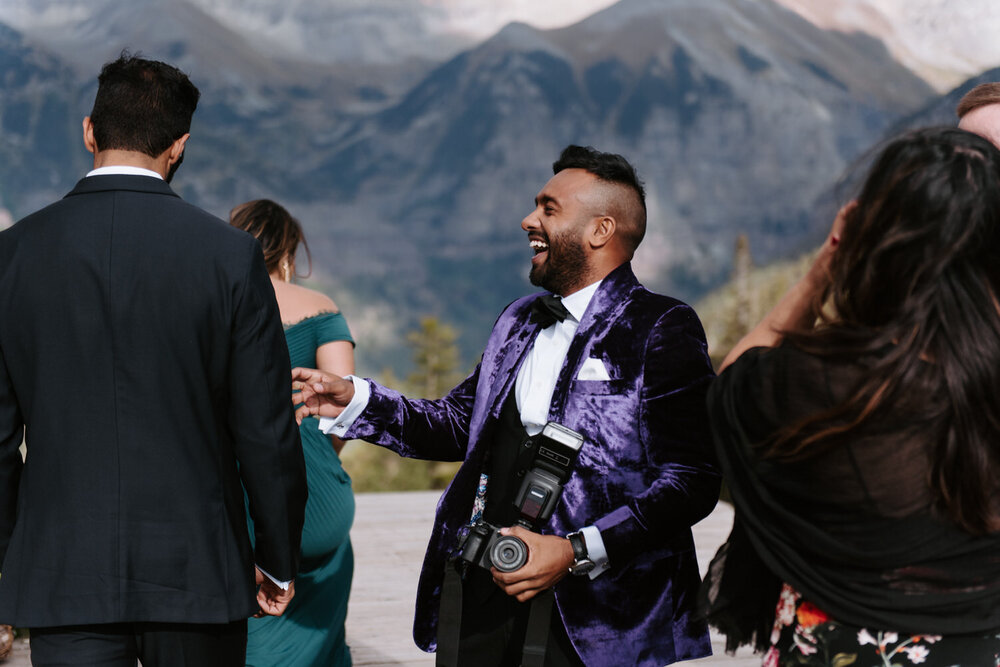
270	597
320	394
549	560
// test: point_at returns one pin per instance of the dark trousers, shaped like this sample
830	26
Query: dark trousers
494	624
155	644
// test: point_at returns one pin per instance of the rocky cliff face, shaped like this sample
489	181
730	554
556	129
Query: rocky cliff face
737	113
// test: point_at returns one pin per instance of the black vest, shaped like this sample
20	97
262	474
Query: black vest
507	462
506	466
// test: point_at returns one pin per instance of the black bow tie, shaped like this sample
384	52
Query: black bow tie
547	310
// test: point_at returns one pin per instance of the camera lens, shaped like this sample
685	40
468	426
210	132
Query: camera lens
508	553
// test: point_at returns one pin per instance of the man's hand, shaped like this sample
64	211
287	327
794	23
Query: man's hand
272	600
321	394
549	559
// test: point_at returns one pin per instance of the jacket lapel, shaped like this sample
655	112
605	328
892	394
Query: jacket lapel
608	302
511	355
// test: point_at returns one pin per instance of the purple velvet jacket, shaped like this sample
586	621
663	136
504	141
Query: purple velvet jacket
645	474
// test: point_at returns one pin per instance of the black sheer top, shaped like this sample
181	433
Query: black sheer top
852	526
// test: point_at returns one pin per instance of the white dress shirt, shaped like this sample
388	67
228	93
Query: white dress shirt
533	388
536	380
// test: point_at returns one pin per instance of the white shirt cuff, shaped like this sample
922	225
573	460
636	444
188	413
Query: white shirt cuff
283	585
338	425
595	551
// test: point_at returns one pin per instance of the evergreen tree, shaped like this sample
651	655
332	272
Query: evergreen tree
435	358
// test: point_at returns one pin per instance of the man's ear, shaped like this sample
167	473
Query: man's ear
602	231
88	135
177	149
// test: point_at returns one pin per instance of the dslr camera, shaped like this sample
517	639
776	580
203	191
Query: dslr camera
486	547
554	453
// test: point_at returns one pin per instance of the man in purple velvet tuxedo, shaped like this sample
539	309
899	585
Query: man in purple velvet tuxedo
624	367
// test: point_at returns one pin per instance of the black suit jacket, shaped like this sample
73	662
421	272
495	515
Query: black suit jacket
142	356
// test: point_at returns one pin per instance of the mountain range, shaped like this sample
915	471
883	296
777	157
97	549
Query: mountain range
411	176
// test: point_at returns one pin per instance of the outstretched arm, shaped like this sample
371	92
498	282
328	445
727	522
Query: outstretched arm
435	430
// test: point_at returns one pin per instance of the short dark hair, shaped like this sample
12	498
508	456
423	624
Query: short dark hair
980	96
142	105
612	168
278	233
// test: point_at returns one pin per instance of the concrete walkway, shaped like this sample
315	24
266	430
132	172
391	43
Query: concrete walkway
389	535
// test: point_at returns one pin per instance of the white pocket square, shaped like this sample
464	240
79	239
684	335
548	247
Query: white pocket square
593	369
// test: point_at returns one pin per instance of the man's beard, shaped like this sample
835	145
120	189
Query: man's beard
563	268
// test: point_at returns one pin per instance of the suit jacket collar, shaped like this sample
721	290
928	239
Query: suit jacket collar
107	183
610	297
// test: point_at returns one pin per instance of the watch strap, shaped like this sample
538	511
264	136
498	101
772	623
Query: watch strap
581	562
579	545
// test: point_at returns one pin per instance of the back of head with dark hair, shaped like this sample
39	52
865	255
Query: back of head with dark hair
980	96
142	105
612	168
914	285
278	233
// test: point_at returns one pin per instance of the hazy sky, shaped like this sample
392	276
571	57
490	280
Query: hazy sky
482	19
945	41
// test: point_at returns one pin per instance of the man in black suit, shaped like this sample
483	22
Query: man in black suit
142	360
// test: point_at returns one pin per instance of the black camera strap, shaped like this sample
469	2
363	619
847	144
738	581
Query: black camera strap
449	616
536	635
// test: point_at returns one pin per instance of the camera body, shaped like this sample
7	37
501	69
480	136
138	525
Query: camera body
486	547
554	452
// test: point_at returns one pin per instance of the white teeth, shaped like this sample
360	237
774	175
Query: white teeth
539	245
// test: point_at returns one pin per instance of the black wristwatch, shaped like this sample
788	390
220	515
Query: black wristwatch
581	562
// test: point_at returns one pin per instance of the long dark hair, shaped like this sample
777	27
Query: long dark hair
274	227
914	285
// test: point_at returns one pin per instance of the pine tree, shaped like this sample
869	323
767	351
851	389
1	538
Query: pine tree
435	358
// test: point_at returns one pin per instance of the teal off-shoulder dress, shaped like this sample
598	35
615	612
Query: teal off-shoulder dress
311	631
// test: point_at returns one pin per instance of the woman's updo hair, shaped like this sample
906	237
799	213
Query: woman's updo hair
278	233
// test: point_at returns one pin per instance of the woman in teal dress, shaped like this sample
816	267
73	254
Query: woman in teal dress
311	631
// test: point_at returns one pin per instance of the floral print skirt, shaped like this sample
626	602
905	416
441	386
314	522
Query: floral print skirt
805	636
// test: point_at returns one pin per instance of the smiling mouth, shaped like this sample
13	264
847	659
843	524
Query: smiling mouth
538	246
